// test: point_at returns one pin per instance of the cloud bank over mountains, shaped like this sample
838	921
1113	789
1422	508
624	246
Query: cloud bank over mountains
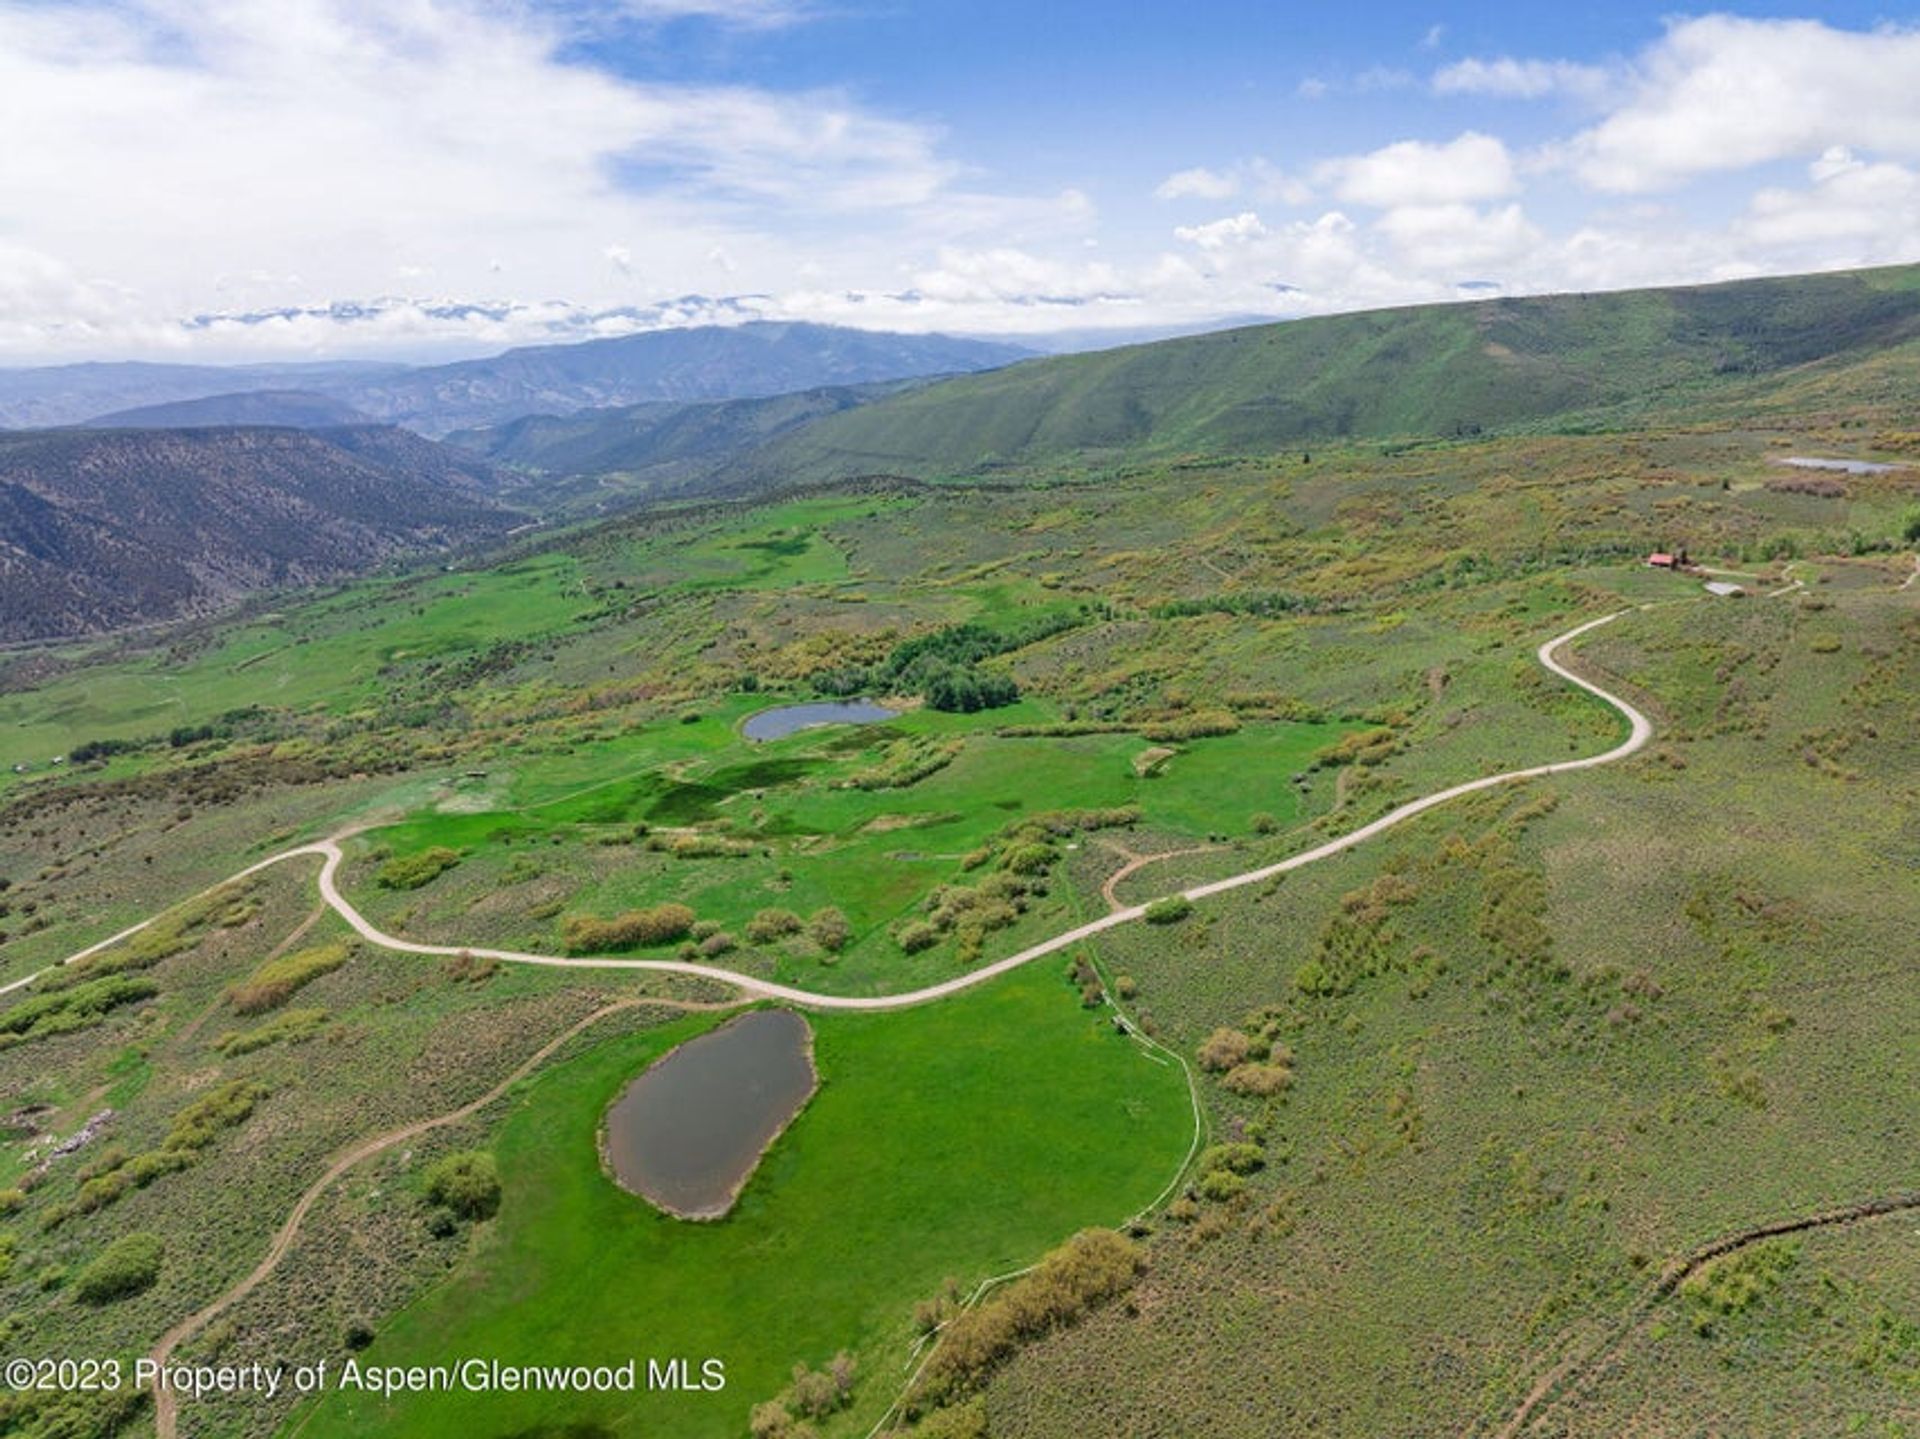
245	178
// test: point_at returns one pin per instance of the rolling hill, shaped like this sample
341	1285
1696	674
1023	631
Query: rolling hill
103	529
1427	371
663	444
295	409
710	362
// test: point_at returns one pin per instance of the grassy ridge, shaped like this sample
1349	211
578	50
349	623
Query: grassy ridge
1434	370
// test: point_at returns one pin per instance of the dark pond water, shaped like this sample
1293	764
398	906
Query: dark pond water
779	723
687	1133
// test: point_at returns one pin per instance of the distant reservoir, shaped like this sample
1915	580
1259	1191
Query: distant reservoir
1851	467
689	1131
786	720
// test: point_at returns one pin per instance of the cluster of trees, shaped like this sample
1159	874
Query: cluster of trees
1089	1269
943	666
814	1394
1262	604
588	934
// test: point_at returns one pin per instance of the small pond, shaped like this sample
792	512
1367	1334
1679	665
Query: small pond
781	722
1851	467
687	1133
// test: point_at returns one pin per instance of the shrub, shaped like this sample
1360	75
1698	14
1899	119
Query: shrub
1256	1080
126	1267
410	871
274	983
1171	910
1221	1185
1193	726
79	1007
11	1200
216	1111
959	1421
1223	1050
1029	858
916	935
770	925
829	929
467	1182
1239	1158
289	1028
585	933
1090	1268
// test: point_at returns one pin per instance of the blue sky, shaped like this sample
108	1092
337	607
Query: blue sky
229	179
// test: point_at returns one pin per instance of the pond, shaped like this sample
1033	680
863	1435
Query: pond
1851	467
689	1131
786	720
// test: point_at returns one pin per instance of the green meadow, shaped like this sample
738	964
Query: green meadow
956	1140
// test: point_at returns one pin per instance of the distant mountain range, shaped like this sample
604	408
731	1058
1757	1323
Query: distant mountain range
659	446
707	362
114	526
711	362
292	409
101	529
73	394
1422	372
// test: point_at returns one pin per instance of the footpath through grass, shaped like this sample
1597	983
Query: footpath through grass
961	1139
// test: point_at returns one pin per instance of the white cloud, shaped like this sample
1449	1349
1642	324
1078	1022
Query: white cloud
1415	172
1219	234
1258	177
1855	212
1521	79
1456	239
749	13
176	151
1198	183
1723	93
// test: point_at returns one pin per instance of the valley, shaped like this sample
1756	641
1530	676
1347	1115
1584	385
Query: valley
1391	923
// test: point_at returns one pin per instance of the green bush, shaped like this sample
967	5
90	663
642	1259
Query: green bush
1090	1268
126	1267
770	925
275	982
586	934
1171	910
829	929
916	935
79	1007
467	1182
290	1028
410	871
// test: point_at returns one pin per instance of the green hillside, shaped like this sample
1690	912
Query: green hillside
1433	370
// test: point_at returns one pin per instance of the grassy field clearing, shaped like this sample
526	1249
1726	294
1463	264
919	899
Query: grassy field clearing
907	1167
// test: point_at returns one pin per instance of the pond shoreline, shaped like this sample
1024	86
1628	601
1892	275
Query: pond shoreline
772	721
712	1214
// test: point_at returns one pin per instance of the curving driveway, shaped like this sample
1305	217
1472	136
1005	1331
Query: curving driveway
331	855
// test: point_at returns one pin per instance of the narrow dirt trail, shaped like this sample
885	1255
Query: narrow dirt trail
166	1415
1134	863
1564	1379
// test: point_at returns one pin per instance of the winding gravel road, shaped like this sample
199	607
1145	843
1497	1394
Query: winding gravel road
331	856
